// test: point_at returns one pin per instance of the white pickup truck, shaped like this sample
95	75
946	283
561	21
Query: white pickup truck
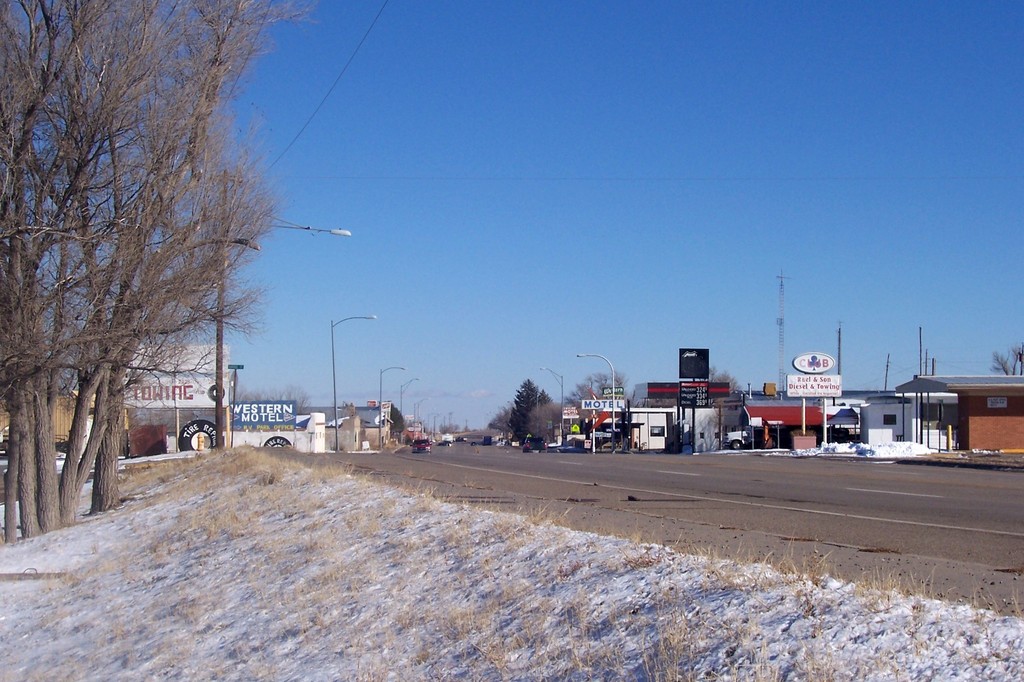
737	440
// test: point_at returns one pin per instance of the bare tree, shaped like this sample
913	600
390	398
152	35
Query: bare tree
289	392
1011	363
122	205
501	420
594	384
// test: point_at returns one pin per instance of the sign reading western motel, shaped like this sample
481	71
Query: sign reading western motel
264	416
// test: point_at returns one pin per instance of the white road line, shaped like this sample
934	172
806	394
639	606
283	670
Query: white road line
891	492
675	473
744	503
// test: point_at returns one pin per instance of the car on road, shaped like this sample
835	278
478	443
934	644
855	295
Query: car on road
421	445
571	448
534	444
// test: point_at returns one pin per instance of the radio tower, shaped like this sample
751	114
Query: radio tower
781	321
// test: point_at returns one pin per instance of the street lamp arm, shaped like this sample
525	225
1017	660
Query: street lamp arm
312	230
334	374
380	403
612	369
354	317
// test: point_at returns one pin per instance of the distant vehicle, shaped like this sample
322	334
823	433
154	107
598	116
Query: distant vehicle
571	447
486	440
738	440
421	445
444	443
446	439
749	438
534	444
460	439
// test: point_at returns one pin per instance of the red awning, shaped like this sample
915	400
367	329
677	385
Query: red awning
784	415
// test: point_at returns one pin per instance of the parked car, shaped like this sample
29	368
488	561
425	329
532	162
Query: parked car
534	444
571	447
421	445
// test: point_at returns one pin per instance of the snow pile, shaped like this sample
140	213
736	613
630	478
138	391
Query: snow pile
242	569
878	451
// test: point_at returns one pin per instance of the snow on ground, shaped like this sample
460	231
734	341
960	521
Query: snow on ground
881	451
239	567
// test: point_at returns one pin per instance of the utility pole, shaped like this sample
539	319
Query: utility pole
839	361
781	321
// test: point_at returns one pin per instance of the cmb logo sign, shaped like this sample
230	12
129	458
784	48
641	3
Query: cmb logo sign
814	363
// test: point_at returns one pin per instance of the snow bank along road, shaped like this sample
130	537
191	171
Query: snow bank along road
956	534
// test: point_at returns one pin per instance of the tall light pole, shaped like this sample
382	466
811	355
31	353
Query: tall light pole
416	411
218	364
595	355
401	399
334	375
561	401
218	398
380	404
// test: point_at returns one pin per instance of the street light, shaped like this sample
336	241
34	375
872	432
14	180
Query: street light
401	400
401	396
416	411
595	355
561	401
218	398
380	404
218	364
334	376
285	225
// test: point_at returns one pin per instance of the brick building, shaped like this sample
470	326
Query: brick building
989	410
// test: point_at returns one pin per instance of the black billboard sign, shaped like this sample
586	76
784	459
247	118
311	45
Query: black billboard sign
694	363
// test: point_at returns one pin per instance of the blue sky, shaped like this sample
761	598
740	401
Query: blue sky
526	181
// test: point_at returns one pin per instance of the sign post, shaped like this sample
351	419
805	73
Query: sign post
812	382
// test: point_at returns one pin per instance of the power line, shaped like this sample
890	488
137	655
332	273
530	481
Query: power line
333	85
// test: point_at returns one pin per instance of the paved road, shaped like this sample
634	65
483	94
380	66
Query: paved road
951	533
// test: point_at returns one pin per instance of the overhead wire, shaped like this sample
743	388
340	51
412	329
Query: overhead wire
333	85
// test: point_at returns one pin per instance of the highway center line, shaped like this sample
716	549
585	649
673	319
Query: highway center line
675	473
708	498
891	492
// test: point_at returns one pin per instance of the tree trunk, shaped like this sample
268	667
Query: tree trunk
106	494
23	438
46	467
11	487
82	451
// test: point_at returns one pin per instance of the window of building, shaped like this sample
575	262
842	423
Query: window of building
889	419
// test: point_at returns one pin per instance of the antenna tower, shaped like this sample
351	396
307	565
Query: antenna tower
781	321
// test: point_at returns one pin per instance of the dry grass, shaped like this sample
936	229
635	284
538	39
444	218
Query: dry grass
501	622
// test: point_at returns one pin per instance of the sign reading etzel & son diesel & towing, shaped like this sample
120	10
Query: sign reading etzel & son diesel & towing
814	385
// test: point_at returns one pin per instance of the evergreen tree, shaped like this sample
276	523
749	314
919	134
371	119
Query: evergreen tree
528	398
